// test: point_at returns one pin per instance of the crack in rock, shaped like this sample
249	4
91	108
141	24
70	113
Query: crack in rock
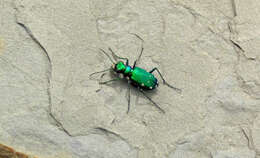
49	74
241	57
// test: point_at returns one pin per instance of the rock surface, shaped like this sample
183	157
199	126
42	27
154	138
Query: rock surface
50	107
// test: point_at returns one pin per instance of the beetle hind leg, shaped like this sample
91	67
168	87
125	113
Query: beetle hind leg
147	97
164	82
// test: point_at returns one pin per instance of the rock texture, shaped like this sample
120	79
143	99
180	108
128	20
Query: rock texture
50	107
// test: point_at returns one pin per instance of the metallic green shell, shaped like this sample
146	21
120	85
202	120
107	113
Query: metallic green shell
128	70
144	78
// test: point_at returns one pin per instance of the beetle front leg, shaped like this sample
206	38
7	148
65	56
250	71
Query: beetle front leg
164	82
105	82
99	72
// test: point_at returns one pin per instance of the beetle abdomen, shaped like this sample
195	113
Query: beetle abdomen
143	78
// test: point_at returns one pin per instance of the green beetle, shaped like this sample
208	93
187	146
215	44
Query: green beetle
136	76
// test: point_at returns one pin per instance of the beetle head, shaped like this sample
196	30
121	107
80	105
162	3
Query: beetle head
119	67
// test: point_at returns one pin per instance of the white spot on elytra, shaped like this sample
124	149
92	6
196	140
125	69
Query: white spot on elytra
142	84
151	87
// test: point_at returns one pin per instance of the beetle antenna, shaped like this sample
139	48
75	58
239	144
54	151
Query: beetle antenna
114	54
118	57
137	36
108	56
141	49
99	72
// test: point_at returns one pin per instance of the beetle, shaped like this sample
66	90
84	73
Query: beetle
138	77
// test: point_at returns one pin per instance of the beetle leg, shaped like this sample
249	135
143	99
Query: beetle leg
105	82
164	82
99	72
129	98
151	101
134	64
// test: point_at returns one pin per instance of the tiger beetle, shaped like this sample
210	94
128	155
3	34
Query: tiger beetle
140	78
